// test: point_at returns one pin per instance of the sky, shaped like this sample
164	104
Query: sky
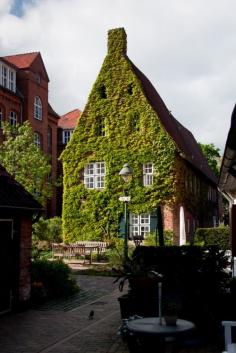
186	48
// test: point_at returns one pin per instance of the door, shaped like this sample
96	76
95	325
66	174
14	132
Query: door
6	264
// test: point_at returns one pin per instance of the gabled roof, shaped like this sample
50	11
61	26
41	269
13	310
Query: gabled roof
25	61
22	61
183	138
69	120
13	195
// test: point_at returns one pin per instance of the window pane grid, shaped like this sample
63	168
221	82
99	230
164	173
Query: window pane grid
13	118
94	175
37	108
147	174
139	224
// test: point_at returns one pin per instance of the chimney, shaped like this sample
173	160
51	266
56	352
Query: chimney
117	42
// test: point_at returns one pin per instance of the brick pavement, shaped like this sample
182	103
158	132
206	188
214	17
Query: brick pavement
58	331
70	331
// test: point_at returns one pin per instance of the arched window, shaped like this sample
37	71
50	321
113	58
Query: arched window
13	118
38	108
37	139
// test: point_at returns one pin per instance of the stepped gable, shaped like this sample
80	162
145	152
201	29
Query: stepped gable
13	194
69	120
182	136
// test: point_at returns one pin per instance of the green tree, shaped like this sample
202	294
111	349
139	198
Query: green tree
25	161
212	155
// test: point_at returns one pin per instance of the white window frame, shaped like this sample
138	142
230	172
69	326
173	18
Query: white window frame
7	77
38	108
94	175
139	225
66	135
148	174
37	139
12	118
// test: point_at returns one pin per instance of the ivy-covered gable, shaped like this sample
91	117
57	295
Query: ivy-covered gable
118	126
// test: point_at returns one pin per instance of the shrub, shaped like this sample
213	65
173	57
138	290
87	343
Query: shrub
48	229
51	280
150	240
219	236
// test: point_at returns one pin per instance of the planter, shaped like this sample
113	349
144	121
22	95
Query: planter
135	305
170	320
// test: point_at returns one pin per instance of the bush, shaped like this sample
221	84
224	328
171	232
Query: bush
49	230
219	236
150	240
51	280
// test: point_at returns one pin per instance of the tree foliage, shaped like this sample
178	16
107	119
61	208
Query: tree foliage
25	161
212	155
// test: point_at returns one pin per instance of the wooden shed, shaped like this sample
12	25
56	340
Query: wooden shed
17	209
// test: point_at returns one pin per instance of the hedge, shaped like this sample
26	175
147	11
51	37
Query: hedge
219	236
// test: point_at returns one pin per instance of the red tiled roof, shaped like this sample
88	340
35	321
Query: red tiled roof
183	138
69	120
22	61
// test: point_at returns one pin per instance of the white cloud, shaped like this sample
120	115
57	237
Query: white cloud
186	48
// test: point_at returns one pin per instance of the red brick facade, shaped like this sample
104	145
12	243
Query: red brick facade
31	82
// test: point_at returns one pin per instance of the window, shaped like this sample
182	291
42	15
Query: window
147	174
13	118
102	92
66	135
101	126
139	225
37	108
7	77
4	76
94	175
37	139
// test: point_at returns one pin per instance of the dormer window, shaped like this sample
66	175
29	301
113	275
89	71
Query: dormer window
38	108
7	77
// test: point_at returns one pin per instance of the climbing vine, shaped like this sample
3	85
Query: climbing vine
133	134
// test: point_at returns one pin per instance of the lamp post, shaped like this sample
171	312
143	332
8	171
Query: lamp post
126	174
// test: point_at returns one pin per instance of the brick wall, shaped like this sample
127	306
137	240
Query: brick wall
25	259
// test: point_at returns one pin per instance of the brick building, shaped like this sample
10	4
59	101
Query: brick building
126	121
66	125
17	207
24	96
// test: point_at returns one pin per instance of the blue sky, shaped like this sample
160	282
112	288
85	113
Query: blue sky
186	48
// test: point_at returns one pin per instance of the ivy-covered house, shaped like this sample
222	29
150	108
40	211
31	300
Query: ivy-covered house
126	121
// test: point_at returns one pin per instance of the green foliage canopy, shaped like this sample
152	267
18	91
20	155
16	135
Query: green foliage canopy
25	161
212	155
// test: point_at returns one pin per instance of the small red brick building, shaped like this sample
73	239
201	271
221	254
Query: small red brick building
17	207
24	96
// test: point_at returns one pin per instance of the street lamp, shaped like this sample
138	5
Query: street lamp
126	174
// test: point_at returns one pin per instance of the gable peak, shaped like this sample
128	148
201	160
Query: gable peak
117	41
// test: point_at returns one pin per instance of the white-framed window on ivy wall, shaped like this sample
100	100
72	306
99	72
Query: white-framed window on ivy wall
94	175
12	118
38	109
139	225
148	174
